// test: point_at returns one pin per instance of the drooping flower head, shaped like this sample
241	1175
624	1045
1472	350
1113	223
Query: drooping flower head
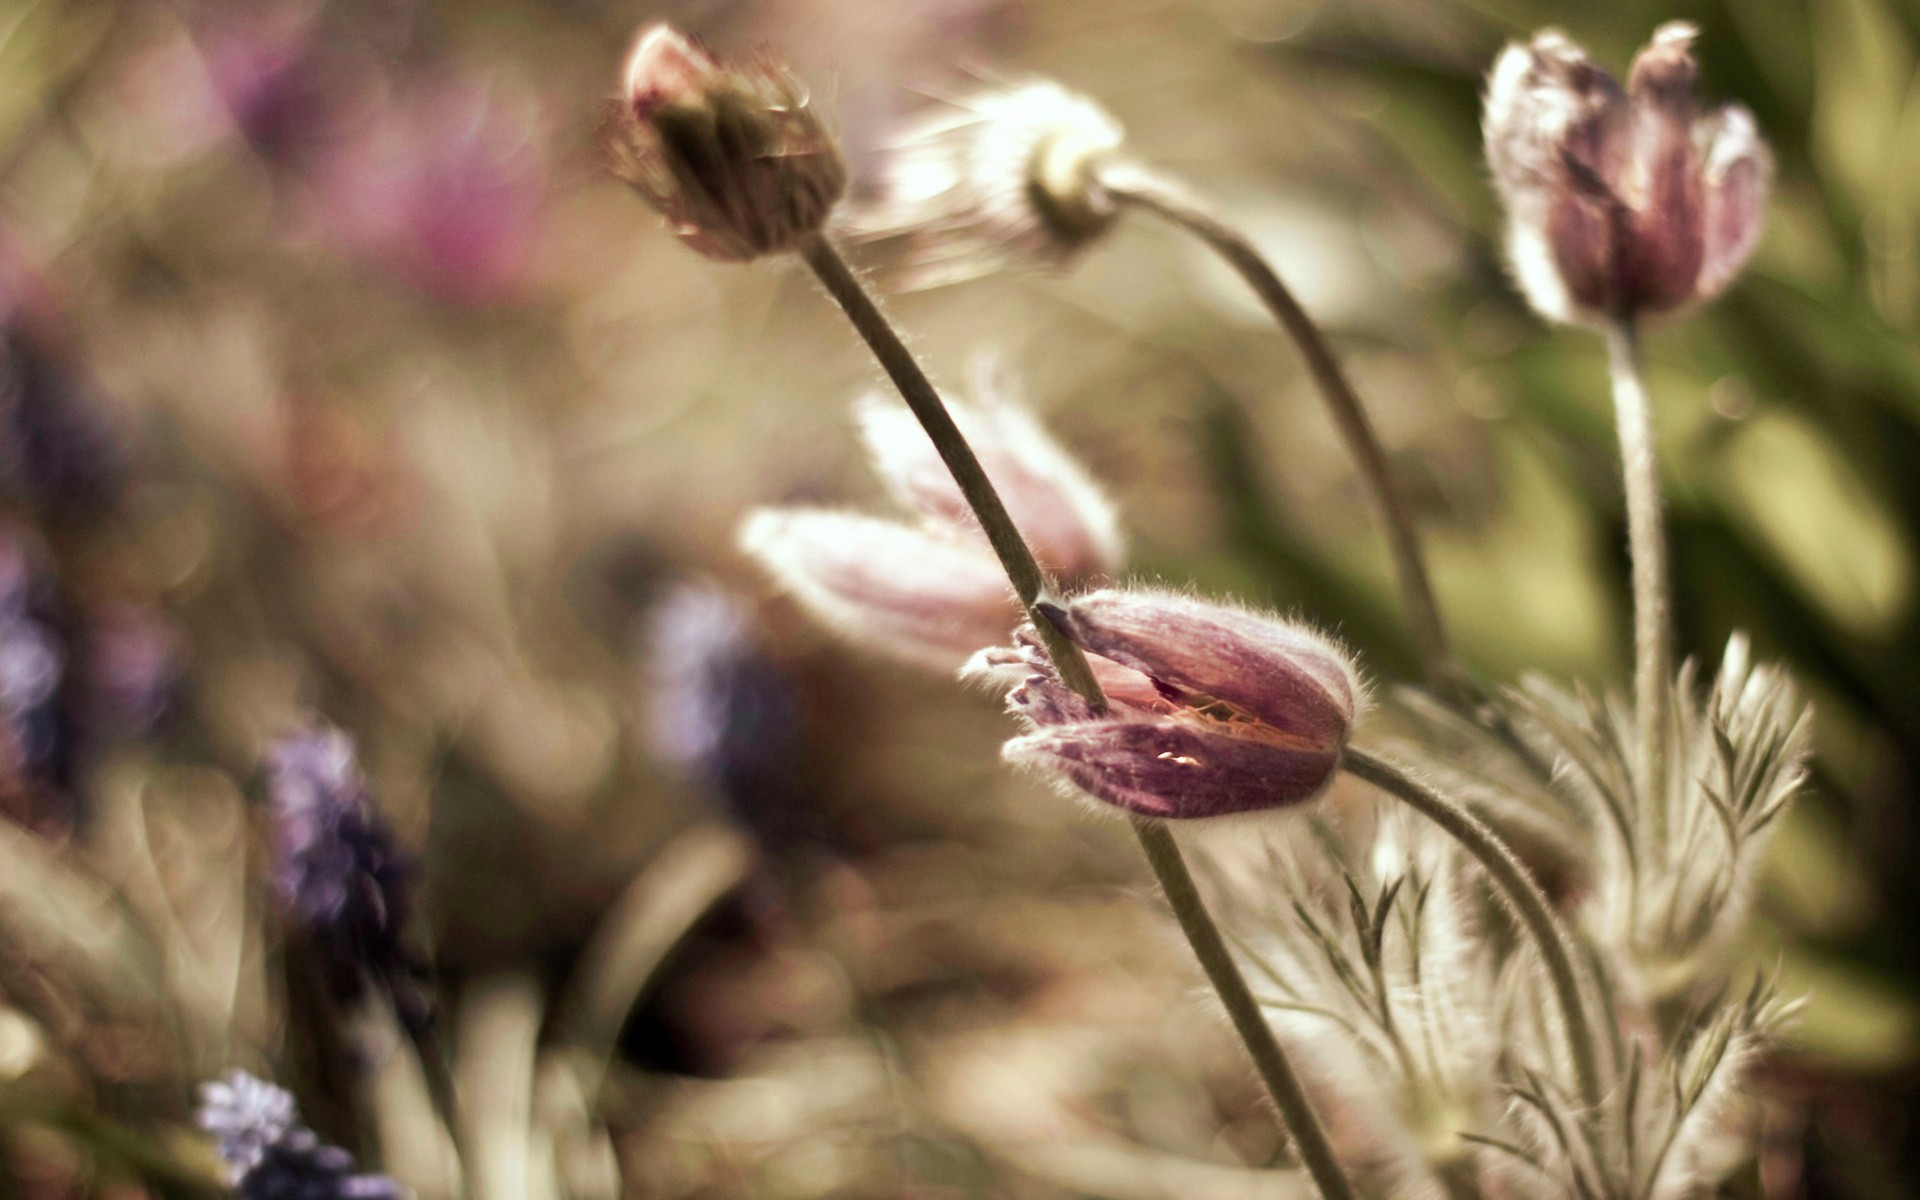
933	593
336	866
1620	202
731	154
1000	178
271	1155
1211	710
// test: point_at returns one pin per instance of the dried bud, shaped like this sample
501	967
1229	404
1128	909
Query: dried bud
1620	203
731	155
998	179
269	1153
912	593
1211	710
1056	505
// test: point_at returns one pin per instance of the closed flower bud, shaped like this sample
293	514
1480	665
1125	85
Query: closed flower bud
998	179
1620	203
919	595
1056	505
732	155
1211	710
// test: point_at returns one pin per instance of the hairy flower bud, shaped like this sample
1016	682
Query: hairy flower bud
731	155
1054	503
1000	178
1211	710
1620	202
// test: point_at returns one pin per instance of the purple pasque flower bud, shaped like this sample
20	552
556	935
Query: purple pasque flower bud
928	596
731	154
1620	202
337	869
1063	514
271	1155
1212	710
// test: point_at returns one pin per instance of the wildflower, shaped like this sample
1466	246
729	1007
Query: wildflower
926	596
59	452
1055	504
1620	202
36	734
997	179
934	595
271	1155
1212	710
723	712
732	155
336	867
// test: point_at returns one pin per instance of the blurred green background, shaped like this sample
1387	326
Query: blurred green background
410	414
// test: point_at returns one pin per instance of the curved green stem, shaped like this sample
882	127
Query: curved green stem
1162	852
1132	185
1529	903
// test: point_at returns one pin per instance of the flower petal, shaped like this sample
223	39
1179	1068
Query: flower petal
1175	769
1280	674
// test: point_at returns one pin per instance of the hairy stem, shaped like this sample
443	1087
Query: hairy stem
1134	186
1162	852
1536	913
1316	1152
1647	547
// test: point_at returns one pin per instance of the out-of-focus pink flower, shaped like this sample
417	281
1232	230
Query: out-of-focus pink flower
919	595
1055	504
1620	203
1211	711
444	187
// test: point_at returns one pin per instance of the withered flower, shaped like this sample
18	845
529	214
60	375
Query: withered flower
1620	203
731	154
1211	711
1000	178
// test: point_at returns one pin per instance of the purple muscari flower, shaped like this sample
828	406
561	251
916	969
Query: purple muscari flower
337	869
721	711
36	736
58	452
1620	202
271	1155
1211	710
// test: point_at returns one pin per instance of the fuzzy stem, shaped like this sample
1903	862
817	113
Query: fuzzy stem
1647	545
1162	852
1135	186
1536	913
1316	1151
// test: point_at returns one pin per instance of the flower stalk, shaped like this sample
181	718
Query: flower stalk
1134	186
1535	911
1647	548
1030	584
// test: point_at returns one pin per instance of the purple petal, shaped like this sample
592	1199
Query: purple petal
1277	673
1739	170
1176	769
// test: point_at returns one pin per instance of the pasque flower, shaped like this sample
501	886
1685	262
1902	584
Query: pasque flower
1620	202
731	154
1211	710
271	1155
933	593
998	178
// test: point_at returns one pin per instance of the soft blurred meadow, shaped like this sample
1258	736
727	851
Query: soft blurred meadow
342	383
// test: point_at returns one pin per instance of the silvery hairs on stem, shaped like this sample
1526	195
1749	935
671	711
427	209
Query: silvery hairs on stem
931	593
270	1154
